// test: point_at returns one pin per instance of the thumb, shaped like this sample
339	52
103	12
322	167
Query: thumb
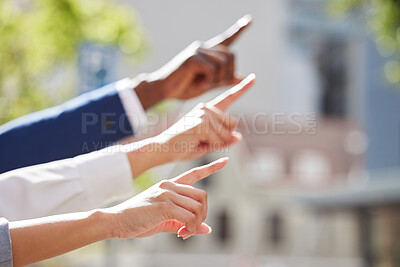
205	229
179	228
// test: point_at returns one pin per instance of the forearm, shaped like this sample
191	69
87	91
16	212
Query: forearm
40	239
148	213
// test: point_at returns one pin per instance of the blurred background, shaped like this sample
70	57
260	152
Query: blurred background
316	180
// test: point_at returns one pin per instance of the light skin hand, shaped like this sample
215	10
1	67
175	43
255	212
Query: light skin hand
169	206
202	66
172	206
206	128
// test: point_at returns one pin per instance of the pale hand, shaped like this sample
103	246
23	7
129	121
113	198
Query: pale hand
172	206
206	128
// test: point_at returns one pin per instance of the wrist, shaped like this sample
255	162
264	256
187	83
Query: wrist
110	222
146	154
148	89
100	220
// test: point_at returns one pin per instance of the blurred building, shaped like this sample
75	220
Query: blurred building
319	120
97	66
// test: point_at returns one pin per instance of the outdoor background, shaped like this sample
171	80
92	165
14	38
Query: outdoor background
316	180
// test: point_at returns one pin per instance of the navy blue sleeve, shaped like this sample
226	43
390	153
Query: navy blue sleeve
86	123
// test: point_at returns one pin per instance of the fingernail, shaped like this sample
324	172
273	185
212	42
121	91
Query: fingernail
245	20
247	80
238	135
204	229
248	17
251	76
183	232
223	159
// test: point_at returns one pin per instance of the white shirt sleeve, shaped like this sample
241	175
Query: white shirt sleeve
130	102
77	184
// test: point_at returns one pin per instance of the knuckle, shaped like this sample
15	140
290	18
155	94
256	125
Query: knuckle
192	219
230	56
234	121
165	184
197	48
198	208
193	59
225	58
203	194
164	195
202	45
206	114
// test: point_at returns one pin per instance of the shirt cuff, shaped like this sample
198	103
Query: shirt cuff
5	244
130	102
106	175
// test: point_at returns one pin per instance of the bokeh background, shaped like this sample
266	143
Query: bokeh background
316	180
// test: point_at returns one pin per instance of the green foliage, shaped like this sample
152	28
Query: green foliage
383	18
144	181
37	36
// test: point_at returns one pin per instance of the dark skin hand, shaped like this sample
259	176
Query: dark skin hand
202	66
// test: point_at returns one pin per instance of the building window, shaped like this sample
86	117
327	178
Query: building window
276	227
223	227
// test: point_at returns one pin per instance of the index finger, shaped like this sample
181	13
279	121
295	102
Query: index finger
231	34
196	174
227	98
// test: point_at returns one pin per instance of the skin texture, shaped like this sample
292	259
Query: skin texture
205	129
200	67
172	206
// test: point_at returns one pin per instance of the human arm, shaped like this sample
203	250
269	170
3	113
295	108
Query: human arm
172	206
205	129
86	123
94	179
81	183
102	117
200	67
